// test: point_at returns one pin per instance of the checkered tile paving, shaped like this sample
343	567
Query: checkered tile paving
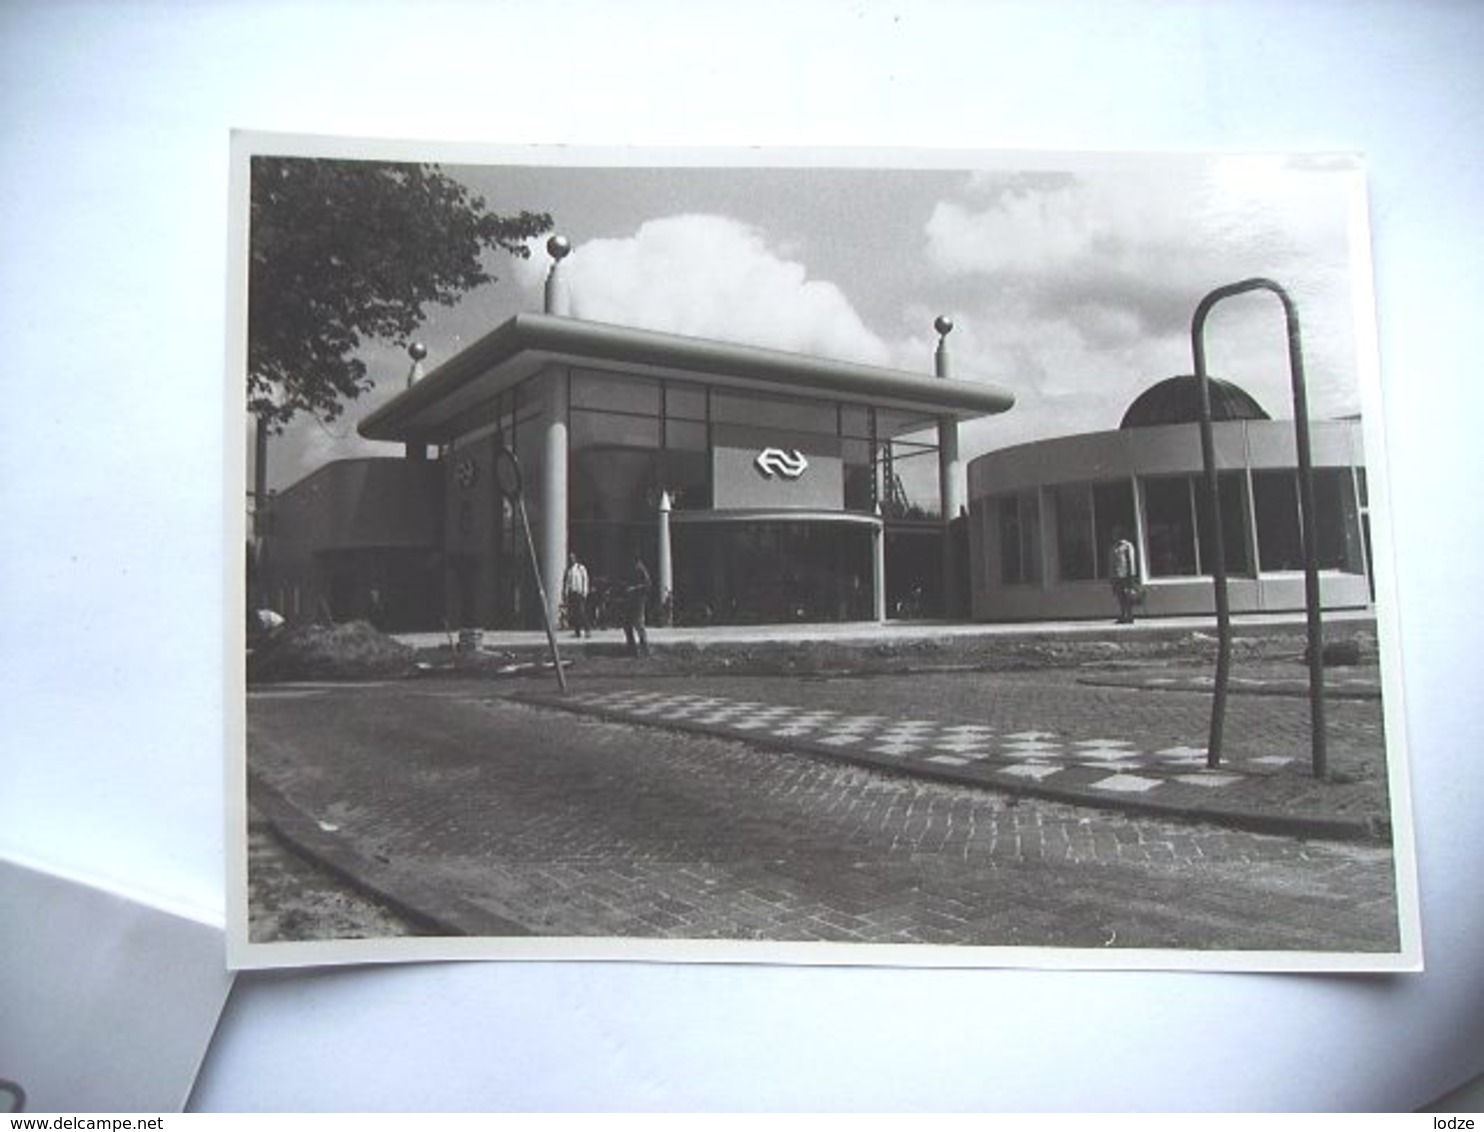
1110	765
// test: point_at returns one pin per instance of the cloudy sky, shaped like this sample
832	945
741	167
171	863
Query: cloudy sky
1071	280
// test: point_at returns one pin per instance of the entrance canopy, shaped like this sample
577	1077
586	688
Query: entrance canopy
442	406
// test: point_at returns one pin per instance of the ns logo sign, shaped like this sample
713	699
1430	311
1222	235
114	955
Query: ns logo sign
789	465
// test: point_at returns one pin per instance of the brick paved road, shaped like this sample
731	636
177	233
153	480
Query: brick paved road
1038	729
573	826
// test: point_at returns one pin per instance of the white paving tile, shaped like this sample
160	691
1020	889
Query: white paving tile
1030	749
1208	778
974	754
1037	771
896	749
1126	784
1038	754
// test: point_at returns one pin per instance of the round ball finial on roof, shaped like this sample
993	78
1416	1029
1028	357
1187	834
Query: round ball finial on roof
417	351
558	247
943	324
1177	400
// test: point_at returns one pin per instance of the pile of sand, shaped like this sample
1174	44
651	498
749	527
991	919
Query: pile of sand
352	651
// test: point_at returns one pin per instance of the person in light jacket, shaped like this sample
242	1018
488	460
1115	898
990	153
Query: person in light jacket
1123	569
575	590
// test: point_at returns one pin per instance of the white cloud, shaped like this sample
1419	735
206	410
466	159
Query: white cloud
1072	288
714	277
1082	285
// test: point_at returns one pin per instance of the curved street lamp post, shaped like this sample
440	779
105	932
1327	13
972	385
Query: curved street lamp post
1307	519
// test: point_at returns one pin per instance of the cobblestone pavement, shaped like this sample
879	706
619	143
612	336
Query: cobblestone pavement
452	799
1057	733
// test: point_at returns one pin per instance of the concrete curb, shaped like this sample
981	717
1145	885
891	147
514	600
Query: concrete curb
438	911
1305	827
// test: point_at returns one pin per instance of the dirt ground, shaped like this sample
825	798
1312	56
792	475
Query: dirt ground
292	898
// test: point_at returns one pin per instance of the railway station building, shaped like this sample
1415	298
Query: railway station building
759	486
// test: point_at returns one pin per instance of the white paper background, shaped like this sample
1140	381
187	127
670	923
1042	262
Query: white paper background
113	259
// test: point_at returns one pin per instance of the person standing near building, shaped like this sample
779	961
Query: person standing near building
575	591
1123	568
636	602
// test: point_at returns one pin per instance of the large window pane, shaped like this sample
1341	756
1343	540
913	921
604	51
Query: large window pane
740	573
1170	522
611	430
1280	544
615	392
910	482
1337	521
614	467
685	401
1233	522
1074	533
687	477
1113	512
685	434
860	492
1020	537
1010	540
774	412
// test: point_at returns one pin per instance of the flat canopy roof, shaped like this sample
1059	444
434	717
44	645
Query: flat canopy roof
437	409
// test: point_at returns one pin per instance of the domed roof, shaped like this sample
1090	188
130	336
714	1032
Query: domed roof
1177	400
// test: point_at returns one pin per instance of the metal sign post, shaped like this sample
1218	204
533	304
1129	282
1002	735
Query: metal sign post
1308	519
508	475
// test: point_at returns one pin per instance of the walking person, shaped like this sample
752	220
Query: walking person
636	602
576	588
1123	569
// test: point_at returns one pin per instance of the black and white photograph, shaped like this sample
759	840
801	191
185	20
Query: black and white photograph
827	557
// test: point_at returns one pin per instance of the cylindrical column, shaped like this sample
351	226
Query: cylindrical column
665	566
554	451
950	478
878	569
554	489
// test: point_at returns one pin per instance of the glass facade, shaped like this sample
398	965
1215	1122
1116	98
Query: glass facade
1260	519
1178	525
1088	518
1019	518
1338	526
486	579
771	571
632	438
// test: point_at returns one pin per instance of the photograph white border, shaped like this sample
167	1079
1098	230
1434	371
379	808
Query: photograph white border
243	953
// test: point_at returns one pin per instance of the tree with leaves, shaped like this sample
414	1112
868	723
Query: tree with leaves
343	251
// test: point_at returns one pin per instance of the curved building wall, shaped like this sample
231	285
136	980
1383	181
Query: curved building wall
1042	517
357	538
